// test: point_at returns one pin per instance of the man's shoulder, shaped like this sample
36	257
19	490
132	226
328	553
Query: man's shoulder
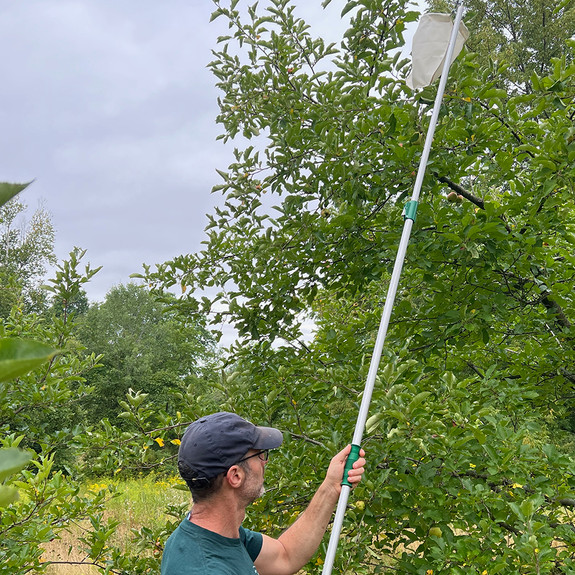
252	541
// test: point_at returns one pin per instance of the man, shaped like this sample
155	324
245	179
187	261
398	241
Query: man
222	458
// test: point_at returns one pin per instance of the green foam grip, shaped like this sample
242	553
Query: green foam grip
351	459
410	210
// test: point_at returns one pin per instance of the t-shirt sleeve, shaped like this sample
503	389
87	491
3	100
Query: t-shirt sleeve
252	541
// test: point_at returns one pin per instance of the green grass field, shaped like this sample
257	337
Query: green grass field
141	504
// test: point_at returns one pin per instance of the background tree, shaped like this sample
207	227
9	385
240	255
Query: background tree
467	472
146	347
45	440
524	37
26	250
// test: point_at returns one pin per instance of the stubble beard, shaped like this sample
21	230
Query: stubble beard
254	489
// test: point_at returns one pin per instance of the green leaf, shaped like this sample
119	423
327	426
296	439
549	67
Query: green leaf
527	508
349	6
8	495
396	414
373	422
560	6
392	125
12	460
495	93
479	435
8	191
19	356
418	400
216	14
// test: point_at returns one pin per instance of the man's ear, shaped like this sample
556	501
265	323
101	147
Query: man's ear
235	476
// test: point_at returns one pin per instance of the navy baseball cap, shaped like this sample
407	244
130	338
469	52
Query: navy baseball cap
212	444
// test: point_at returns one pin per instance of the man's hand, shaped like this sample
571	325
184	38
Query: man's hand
334	475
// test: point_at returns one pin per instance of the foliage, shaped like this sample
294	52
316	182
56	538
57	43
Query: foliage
17	357
46	503
26	249
44	437
524	37
467	471
46	442
145	347
49	500
10	190
12	460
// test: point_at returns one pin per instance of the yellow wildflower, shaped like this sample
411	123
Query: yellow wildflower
175	441
159	441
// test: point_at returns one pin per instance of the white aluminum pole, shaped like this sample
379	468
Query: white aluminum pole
389	300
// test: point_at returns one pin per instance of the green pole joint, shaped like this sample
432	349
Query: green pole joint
410	210
351	459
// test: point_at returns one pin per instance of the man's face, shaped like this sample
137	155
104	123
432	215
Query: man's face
253	487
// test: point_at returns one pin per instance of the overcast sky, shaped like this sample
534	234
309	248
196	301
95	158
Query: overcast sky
109	106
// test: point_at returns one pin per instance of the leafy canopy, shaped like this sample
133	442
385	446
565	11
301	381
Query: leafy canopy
465	436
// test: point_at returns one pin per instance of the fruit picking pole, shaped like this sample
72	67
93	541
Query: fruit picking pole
409	217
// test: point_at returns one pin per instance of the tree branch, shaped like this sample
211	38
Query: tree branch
556	310
462	192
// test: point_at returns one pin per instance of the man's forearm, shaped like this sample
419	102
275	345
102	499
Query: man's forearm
296	546
302	539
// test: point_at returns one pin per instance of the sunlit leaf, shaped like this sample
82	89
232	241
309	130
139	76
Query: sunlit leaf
8	495
12	460
19	356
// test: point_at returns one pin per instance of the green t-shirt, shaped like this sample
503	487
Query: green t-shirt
193	550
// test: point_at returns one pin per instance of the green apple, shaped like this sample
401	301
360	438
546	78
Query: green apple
435	532
452	197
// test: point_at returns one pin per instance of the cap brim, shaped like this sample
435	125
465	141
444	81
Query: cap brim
268	438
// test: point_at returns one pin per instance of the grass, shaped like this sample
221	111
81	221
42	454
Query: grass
141	503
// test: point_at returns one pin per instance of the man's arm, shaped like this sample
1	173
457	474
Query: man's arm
296	546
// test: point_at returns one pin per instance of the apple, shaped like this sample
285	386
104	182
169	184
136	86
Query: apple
435	532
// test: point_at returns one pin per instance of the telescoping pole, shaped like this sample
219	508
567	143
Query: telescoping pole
409	218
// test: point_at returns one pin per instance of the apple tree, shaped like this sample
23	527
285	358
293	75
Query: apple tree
470	469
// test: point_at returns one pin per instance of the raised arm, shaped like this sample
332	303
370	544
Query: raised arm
296	546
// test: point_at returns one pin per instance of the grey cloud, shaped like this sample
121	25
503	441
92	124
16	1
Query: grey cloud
110	106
